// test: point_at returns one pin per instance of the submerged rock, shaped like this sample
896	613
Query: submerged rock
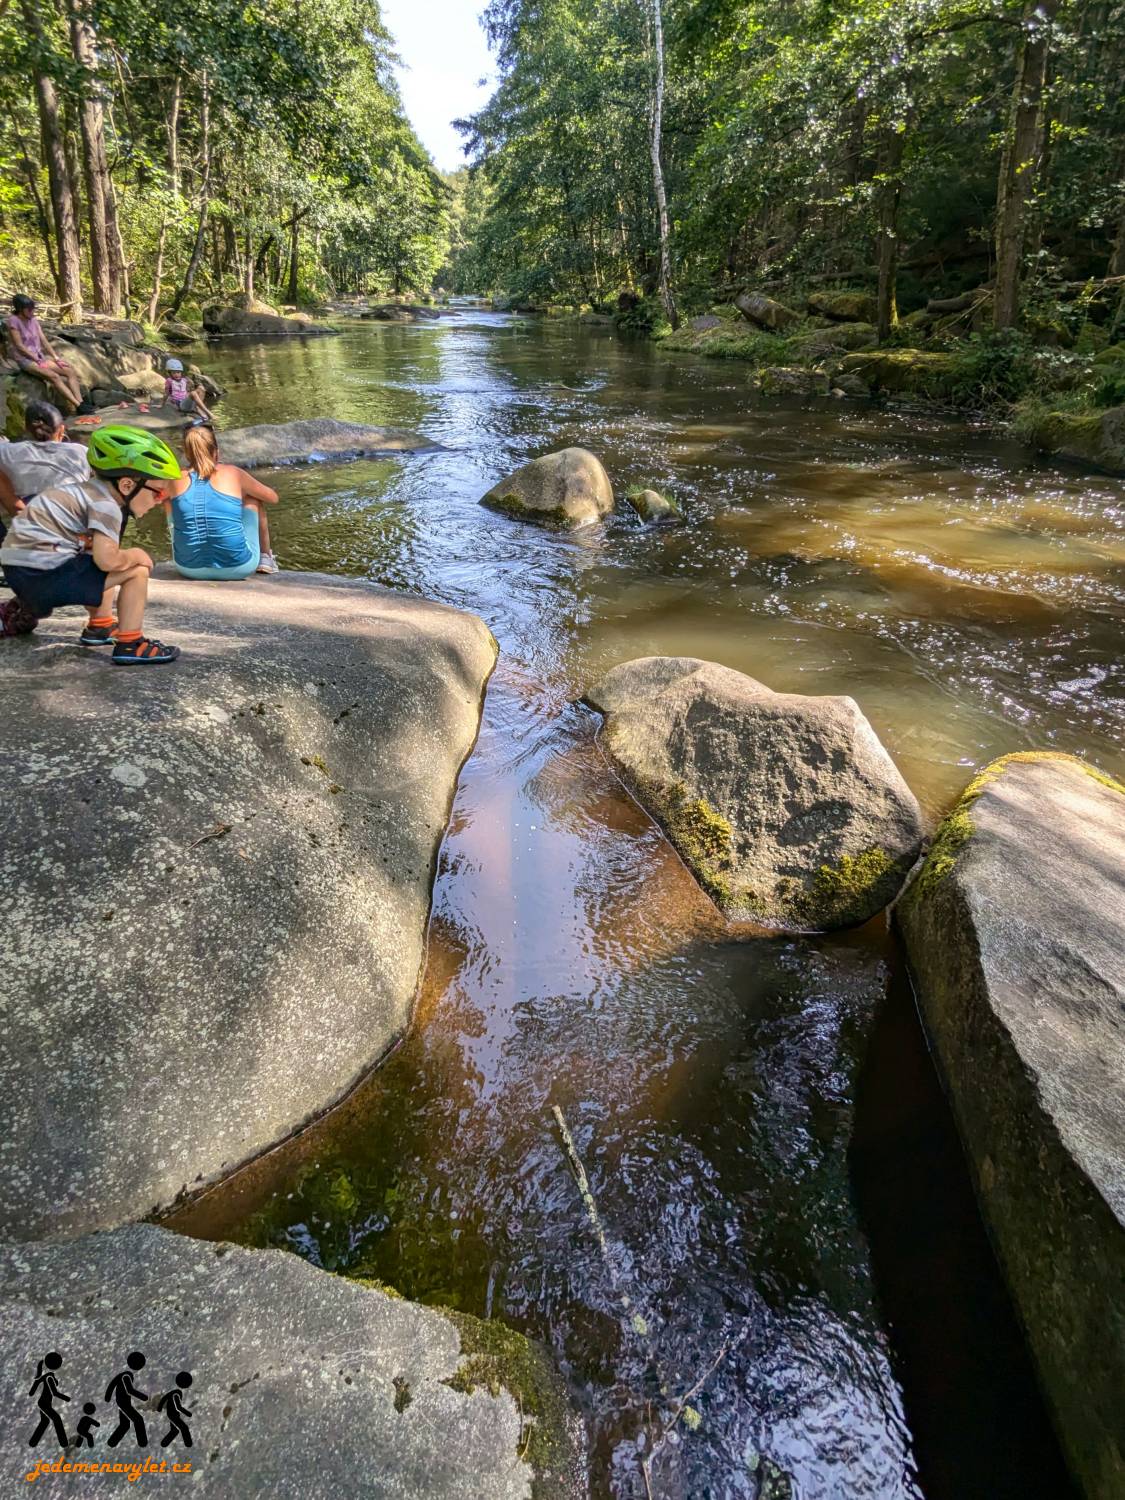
218	879
786	809
567	489
303	1385
764	312
1015	931
654	507
315	438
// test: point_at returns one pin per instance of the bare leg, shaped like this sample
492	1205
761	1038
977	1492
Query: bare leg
263	530
200	405
103	610
131	600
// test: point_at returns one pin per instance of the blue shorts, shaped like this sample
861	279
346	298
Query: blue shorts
79	580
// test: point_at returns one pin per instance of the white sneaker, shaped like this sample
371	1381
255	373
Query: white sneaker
268	564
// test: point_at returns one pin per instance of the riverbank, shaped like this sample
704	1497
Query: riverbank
1058	387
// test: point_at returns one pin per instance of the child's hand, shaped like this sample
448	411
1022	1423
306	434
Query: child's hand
139	555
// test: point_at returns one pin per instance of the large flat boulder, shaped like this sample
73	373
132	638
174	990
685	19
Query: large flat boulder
568	489
303	1386
786	809
312	439
1015	931
250	323
217	879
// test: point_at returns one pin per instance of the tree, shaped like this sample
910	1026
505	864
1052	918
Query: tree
1023	152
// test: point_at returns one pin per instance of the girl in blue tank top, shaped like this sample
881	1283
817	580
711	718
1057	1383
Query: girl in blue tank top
218	527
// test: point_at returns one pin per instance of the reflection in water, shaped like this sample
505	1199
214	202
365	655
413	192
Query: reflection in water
970	606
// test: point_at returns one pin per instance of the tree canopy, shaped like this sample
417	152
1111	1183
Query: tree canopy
881	143
155	155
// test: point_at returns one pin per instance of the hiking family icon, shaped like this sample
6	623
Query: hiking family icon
122	1392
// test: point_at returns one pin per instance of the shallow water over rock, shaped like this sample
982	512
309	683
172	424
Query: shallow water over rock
972	605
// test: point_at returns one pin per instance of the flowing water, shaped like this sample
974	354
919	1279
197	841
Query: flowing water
789	1232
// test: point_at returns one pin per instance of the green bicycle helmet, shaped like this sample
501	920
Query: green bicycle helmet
114	451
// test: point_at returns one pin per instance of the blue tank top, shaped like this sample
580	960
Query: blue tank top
207	528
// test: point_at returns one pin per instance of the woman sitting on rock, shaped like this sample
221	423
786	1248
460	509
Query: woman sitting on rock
219	529
33	352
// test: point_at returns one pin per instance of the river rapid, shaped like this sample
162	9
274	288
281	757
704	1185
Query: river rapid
790	1236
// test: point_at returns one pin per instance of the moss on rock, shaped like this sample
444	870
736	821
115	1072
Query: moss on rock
496	1358
915	372
1092	437
957	828
844	307
848	884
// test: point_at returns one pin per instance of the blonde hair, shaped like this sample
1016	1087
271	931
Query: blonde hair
201	449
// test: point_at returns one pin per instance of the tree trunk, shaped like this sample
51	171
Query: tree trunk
294	243
889	194
174	188
248	267
32	176
658	167
94	166
1019	168
204	200
69	279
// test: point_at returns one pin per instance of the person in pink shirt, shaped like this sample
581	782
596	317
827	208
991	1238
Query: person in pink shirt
34	353
182	394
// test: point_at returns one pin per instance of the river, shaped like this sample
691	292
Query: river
787	1216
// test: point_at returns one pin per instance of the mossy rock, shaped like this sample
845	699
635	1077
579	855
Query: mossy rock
652	506
786	809
792	380
1094	437
497	1358
1015	934
913	372
837	339
844	307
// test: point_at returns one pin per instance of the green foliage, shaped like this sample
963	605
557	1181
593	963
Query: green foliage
309	156
796	138
993	369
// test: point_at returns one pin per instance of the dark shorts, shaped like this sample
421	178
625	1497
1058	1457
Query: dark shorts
79	580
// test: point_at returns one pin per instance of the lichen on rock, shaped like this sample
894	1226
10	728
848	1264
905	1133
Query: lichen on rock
786	809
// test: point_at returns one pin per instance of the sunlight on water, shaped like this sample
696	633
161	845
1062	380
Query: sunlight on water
972	605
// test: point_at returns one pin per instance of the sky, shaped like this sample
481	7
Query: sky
444	56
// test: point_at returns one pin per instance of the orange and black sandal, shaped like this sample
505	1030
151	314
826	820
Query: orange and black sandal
138	650
98	632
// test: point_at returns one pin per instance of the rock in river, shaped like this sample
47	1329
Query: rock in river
653	507
1015	930
314	438
786	809
304	1386
567	489
217	878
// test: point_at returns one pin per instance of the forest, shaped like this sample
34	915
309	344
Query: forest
894	145
957	167
154	155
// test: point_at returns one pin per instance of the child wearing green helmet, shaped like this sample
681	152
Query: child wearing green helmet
64	547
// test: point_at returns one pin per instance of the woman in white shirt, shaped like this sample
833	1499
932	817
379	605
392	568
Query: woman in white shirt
42	459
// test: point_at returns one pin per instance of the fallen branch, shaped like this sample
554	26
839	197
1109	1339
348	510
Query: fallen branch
591	1207
726	1349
